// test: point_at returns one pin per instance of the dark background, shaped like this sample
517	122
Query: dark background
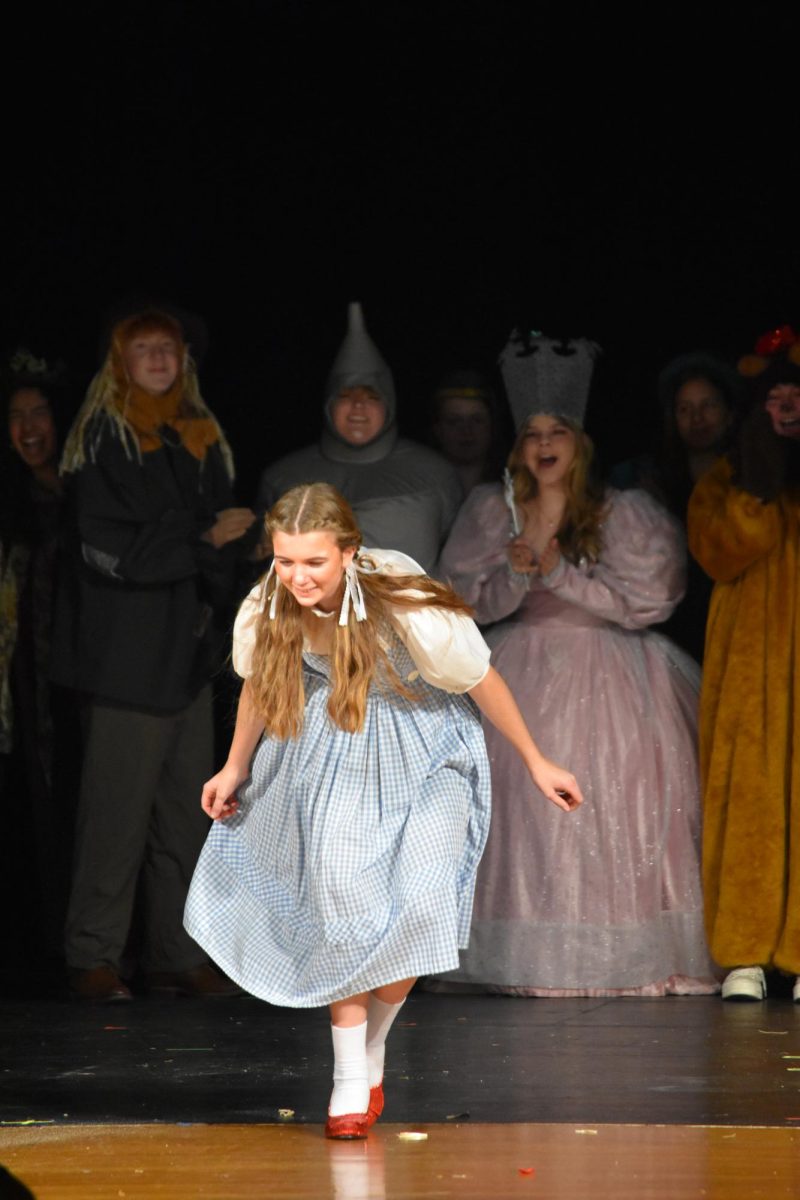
626	174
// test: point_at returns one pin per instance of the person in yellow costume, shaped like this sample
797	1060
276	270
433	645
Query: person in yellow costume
744	530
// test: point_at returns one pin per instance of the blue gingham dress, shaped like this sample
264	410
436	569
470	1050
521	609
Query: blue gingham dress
351	862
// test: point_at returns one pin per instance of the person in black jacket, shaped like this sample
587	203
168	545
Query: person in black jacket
39	730
154	540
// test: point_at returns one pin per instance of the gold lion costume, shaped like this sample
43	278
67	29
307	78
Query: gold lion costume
744	530
749	722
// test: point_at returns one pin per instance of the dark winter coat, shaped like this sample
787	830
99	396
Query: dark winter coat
142	602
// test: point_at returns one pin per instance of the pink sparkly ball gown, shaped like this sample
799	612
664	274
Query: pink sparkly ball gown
606	900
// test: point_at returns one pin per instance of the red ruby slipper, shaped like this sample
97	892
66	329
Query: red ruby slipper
348	1126
375	1103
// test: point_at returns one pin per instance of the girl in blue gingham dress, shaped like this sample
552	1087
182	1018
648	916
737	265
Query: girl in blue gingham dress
342	861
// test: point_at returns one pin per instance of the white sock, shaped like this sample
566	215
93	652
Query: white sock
350	1088
379	1021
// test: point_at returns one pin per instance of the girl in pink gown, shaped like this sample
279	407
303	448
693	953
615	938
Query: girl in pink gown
610	902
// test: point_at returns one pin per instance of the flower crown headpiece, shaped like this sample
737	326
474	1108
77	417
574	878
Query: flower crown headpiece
783	340
23	362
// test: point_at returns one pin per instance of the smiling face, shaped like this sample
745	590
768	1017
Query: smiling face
701	415
31	428
548	449
783	406
312	567
152	361
358	415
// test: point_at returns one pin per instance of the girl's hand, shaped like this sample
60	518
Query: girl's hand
558	785
550	558
219	794
230	525
521	557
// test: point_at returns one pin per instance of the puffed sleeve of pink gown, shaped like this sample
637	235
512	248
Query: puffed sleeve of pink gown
641	574
474	560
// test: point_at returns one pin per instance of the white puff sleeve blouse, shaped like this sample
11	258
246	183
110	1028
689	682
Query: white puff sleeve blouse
447	647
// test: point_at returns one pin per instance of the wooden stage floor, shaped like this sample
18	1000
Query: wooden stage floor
472	1162
575	1099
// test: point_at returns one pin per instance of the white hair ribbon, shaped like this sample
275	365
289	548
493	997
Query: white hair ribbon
352	595
274	599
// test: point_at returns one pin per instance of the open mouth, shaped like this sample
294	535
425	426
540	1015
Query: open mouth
548	460
32	446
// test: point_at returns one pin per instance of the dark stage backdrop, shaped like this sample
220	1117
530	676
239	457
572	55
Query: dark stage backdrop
459	167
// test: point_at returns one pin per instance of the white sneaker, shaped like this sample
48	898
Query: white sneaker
747	983
796	990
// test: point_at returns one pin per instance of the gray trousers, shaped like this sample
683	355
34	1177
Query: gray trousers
139	814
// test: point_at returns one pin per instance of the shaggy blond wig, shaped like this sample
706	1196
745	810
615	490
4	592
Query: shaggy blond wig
110	391
359	648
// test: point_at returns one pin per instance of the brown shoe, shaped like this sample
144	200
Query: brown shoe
204	980
99	985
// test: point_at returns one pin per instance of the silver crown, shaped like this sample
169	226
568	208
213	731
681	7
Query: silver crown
547	375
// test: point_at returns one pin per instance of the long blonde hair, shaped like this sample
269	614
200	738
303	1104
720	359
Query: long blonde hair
580	534
359	654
